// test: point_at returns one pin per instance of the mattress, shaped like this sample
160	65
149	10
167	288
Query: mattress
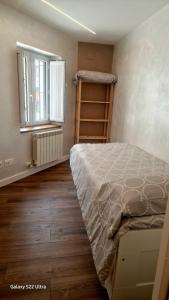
92	76
120	187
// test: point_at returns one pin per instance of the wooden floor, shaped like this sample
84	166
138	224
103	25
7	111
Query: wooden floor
43	241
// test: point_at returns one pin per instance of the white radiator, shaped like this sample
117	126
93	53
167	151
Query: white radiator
47	146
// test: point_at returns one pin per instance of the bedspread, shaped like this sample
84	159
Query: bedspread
119	187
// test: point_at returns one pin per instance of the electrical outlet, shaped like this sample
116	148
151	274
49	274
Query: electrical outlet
1	163
9	162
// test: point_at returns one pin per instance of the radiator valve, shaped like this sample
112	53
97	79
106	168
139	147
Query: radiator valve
29	164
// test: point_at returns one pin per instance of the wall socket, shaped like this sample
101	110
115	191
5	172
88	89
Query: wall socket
9	162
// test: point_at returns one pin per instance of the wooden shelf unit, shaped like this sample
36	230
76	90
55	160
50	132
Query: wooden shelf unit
93	111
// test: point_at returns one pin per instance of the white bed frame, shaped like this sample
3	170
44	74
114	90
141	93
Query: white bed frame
136	265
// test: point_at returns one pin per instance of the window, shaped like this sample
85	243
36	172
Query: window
41	87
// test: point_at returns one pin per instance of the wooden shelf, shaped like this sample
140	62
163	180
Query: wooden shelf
93	120
92	137
96	102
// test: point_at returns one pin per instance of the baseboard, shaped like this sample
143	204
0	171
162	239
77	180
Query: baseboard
30	171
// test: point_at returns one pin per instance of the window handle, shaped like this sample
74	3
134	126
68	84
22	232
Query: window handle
31	97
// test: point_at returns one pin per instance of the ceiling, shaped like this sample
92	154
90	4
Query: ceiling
110	19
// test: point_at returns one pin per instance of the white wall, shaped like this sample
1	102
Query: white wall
19	27
141	106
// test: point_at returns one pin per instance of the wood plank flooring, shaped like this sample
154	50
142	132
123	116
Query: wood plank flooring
43	241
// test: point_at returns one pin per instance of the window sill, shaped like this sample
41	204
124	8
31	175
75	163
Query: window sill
39	127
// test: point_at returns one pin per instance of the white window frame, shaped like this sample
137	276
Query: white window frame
47	58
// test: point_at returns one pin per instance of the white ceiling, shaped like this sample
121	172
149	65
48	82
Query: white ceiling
110	19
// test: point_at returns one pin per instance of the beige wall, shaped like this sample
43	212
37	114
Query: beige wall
95	57
18	27
141	107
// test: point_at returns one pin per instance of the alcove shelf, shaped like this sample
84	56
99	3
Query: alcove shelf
94	101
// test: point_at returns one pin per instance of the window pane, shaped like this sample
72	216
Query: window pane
40	95
36	79
26	88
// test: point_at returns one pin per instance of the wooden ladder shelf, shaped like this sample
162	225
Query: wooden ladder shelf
94	127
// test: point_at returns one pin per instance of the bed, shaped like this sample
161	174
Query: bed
122	192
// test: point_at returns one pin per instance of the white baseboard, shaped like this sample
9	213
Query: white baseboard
30	171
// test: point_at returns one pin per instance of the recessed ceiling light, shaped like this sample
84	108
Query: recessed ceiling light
67	16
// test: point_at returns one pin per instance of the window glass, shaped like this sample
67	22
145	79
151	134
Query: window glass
40	99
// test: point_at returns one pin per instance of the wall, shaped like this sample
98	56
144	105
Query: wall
141	105
19	27
95	57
